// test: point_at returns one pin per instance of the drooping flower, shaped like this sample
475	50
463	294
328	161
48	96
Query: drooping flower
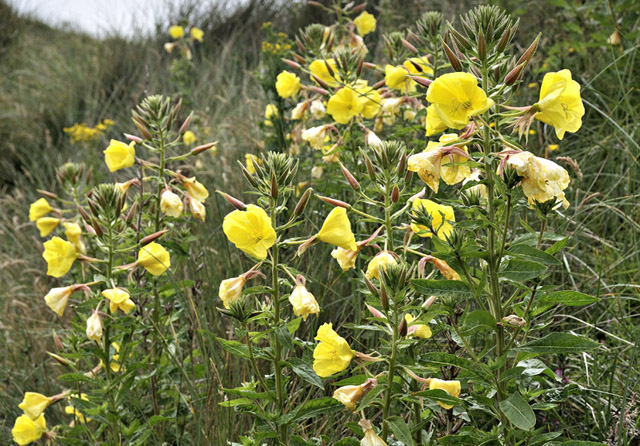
57	299
302	300
59	255
441	218
332	354
560	104
421	331
119	155
197	209
318	68
382	260
350	395
33	404
197	34
317	109
287	84
456	97
315	136
73	231
176	32
542	179
39	209
365	23
46	225
451	387
171	204
346	258
336	230
230	290
370	436
26	431
189	137
344	105
195	189
94	327
154	258
250	231
119	299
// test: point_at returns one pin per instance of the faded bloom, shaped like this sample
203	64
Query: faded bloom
154	258
196	189
171	204
287	84
370	436
451	387
421	331
59	255
317	109
345	104
57	299
46	225
118	299
302	301
33	404
346	258
542	179
350	395
316	172
39	209
94	327
315	136
441	218
560	104
25	430
119	155
381	261
336	230
250	231
197	209
365	23
299	110
230	290
332	354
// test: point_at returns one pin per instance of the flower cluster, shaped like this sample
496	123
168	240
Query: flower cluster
84	133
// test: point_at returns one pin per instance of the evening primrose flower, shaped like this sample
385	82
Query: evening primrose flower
59	255
197	209
119	155
299	110
94	327
71	410
176	32
197	34
433	122
46	225
382	260
249	160
560	104
270	111
25	430
318	68
195	189
39	209
441	218
396	79
336	230
332	354
365	23
390	108
189	137
451	387
250	231
302	300
421	331
154	258
344	105
230	290
456	97
370	436
350	395
73	231
346	258
370	99
315	136
287	84
57	299
33	404
171	204
542	179
317	109
435	163
118	299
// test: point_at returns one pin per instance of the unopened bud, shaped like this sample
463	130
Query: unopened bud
59	359
350	178
395	194
379	84
482	46
248	176
133	138
302	203
421	80
375	312
359	7
427	303
334	202
292	63
274	186
96	227
320	82
402	328
409	46
514	75
384	297
372	288
57	341
142	129
48	194
370	170
132	212
84	214
203	148
151	237
318	90
528	54
185	124
451	56
234	201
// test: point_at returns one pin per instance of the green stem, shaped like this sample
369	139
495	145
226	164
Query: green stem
387	218
390	374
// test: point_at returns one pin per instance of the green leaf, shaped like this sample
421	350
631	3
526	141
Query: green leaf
401	430
158	419
312	408
234	347
529	252
521	270
454	288
282	333
557	246
518	412
559	343
568	298
478	320
236	402
73	378
441	396
349	441
305	372
293	325
440	359
581	443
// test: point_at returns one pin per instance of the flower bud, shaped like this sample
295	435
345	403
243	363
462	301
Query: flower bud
372	288
350	178
334	202
514	321
402	328
185	124
395	194
302	203
94	327
234	201
375	312
451	56
197	209
302	301
133	138
151	237
204	147
292	64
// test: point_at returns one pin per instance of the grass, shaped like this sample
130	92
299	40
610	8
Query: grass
51	78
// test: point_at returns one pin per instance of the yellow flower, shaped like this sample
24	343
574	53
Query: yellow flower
421	331
319	69
370	99
195	189
59	255
154	258
33	404
231	290
428	165
303	302
189	137
46	225
365	23
350	395
553	147
57	299
25	430
171	204
451	387
315	136
197	34
560	104
336	230
250	231
442	227
39	209
332	354
71	410
444	268
421	62
73	231
94	327
396	79
119	155
120	299
344	105
542	178
456	97
614	39
287	84
249	159
433	122
390	109
370	436
197	209
346	258
176	32
381	261
270	111
433	164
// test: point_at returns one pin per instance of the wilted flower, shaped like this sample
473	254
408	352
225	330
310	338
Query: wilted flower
344	105
197	209
451	387
196	189
370	436
317	109
25	430
170	204
381	261
560	104
302	301
332	354
94	326
336	230
421	331
154	258
299	110
250	231
46	225
350	395
316	172
119	155
33	404
441	218
57	299
59	255
230	290
118	299
287	84
346	258
315	136
39	209
365	23
73	231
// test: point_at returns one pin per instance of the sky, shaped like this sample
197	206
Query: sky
100	17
